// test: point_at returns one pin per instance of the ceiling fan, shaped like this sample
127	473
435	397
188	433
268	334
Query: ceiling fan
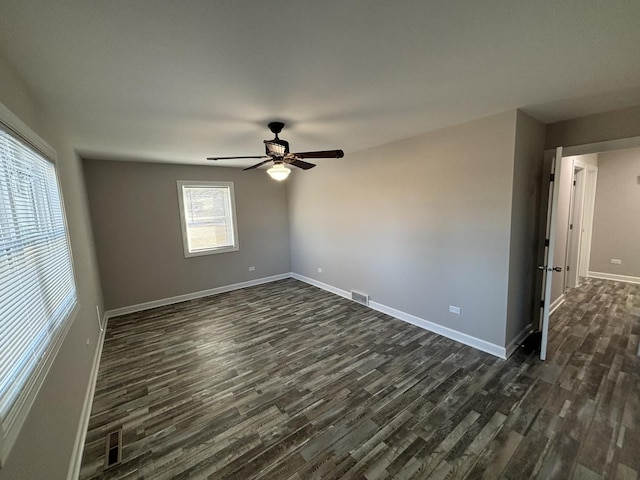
277	151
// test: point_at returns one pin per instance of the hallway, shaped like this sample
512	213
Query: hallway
593	402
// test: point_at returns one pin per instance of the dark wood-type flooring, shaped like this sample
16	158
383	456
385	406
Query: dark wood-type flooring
286	381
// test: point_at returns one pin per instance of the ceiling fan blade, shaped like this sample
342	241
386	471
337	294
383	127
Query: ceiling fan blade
301	164
257	164
233	158
321	154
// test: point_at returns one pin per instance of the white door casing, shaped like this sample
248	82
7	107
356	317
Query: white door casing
591	181
575	226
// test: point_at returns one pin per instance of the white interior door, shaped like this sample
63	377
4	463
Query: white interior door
547	266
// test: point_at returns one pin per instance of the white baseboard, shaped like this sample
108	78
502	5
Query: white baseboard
554	305
191	296
614	277
474	342
515	343
323	286
85	415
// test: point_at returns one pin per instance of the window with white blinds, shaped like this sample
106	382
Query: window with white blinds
37	288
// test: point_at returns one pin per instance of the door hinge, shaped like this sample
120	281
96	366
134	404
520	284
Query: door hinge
546	242
552	177
574	183
541	303
567	268
571	226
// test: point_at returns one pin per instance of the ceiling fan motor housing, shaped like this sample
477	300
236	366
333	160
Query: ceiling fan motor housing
276	147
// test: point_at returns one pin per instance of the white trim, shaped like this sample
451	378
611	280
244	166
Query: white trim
191	296
574	223
515	343
85	415
600	147
591	182
614	277
33	386
22	130
450	333
235	246
323	286
556	304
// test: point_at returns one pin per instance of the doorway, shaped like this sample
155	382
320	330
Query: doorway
574	240
578	223
570	224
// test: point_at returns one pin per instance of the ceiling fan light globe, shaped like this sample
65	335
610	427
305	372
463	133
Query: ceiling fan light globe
279	172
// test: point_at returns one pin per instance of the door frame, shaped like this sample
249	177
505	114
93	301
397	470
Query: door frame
600	147
591	181
575	220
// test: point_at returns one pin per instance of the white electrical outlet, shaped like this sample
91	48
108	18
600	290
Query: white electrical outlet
251	269
454	309
319	269
616	261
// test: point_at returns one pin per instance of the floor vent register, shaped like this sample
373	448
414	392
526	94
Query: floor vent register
113	454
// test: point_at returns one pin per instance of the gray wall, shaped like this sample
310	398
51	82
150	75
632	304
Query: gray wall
45	444
522	307
616	220
418	224
600	127
136	222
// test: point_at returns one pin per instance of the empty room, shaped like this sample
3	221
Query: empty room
319	240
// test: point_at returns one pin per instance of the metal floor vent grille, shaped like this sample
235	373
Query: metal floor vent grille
113	453
362	298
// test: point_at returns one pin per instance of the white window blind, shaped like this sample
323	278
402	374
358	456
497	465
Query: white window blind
37	288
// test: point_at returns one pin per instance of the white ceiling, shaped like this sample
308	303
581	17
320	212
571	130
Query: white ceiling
177	81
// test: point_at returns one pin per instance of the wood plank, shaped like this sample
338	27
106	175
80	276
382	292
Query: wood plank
286	381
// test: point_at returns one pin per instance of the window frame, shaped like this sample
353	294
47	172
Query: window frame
181	184
11	424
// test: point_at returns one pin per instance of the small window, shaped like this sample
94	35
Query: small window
207	212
